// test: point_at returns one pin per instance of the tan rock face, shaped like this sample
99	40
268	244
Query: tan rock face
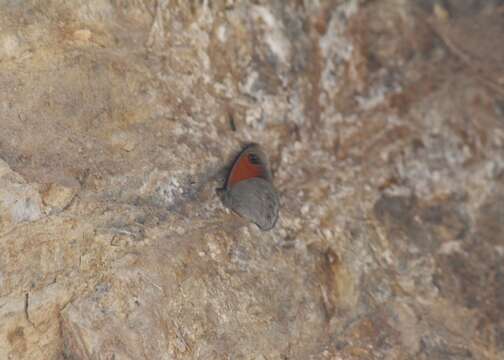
19	201
385	135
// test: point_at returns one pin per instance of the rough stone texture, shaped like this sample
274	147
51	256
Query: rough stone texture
384	125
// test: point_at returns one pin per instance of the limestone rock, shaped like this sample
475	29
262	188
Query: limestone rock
384	130
57	197
19	201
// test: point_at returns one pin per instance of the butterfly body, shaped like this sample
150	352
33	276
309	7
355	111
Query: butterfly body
249	191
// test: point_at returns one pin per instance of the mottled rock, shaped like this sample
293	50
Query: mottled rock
383	124
19	201
57	197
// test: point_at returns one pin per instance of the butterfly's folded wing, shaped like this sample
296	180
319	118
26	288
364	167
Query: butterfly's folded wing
256	200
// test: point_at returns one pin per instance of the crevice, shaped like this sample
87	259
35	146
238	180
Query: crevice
26	306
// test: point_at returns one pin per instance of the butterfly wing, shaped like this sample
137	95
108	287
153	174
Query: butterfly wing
250	163
249	191
256	200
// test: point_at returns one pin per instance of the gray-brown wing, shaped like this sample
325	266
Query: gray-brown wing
256	200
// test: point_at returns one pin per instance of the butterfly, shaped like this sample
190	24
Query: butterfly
249	190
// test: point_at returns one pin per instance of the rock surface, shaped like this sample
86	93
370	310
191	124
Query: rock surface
383	121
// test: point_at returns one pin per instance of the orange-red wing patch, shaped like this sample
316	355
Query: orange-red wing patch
247	166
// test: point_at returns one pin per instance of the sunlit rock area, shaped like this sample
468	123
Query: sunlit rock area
383	122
